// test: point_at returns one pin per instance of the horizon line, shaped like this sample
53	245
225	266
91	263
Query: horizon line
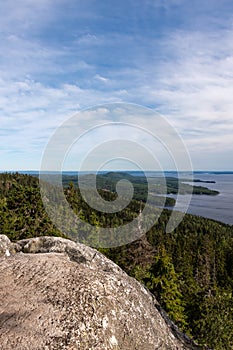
116	170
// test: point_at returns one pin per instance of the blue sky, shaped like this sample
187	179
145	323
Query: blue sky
61	56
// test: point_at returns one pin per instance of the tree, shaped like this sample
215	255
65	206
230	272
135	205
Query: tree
165	285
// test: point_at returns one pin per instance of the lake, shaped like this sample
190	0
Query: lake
218	207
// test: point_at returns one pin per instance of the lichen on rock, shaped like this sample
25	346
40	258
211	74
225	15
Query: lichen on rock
58	294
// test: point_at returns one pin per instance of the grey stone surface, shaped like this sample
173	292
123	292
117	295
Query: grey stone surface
7	247
57	294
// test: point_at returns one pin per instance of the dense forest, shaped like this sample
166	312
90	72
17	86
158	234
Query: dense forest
188	270
158	185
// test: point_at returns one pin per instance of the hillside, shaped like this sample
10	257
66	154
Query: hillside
189	270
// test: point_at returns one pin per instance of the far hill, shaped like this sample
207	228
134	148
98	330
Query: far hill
159	186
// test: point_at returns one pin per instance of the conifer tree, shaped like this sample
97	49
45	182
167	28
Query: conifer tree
165	285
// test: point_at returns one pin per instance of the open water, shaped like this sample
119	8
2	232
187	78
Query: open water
218	207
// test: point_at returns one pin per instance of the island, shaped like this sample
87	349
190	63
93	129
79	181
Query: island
159	186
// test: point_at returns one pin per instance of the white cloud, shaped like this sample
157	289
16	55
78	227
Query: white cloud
193	87
186	74
102	79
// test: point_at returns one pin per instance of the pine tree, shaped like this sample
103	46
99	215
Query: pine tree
165	285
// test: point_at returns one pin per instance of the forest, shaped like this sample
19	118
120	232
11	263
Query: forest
188	270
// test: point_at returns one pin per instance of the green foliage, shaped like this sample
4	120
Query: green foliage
165	284
215	324
191	274
22	214
158	186
161	279
189	270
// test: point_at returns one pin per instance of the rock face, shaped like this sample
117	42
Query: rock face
57	294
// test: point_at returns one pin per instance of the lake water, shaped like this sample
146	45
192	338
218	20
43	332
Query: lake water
218	207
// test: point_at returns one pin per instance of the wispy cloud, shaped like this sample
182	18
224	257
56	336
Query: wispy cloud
58	58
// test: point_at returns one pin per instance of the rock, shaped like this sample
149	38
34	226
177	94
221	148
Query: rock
58	294
6	247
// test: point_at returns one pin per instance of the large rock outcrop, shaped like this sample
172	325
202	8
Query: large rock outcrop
57	294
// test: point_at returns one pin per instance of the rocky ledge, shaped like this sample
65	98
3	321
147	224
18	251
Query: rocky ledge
58	294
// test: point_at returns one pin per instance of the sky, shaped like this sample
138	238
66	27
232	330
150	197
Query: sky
59	57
